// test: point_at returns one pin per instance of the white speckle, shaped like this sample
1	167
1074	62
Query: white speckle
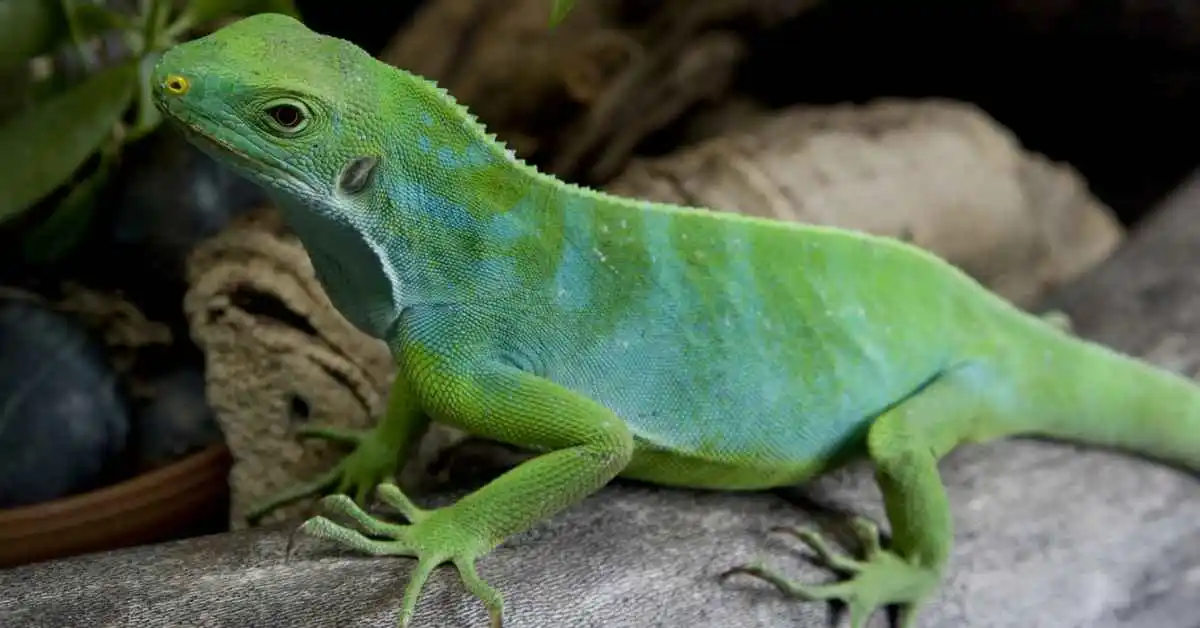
624	344
562	292
599	254
624	224
603	228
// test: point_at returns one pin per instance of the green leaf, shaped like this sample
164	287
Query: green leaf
148	117
559	10
88	20
201	11
43	146
69	223
29	28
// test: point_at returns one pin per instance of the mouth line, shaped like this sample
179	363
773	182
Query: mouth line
279	174
215	142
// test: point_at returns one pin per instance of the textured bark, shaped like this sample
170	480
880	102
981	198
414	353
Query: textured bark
578	99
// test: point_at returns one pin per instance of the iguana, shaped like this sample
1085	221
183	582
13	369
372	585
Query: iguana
620	337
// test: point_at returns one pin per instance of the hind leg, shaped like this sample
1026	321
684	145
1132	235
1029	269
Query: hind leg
904	444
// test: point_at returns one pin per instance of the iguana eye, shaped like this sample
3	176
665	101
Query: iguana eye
287	116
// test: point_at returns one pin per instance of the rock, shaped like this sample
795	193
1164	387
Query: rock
942	174
176	421
168	197
63	416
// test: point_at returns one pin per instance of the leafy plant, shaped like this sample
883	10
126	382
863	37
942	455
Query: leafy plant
55	126
559	10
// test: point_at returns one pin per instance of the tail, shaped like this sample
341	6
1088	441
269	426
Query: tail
1080	391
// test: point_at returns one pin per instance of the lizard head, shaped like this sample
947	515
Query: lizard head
298	113
248	95
387	180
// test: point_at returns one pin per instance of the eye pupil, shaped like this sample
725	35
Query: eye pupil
176	84
287	116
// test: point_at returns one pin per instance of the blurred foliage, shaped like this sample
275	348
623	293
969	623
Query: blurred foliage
559	10
74	90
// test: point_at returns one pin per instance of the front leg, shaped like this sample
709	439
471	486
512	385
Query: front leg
377	453
586	445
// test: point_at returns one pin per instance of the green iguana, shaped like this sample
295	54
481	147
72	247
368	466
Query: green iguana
621	337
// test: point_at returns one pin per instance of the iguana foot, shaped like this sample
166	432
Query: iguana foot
372	462
879	579
433	537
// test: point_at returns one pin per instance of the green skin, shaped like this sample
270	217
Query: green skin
617	337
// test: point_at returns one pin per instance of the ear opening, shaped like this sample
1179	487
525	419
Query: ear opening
358	174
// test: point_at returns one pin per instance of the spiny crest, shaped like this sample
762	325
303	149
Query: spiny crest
473	122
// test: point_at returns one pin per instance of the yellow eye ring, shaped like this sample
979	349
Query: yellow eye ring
176	84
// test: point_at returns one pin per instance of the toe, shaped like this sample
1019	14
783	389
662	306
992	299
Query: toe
859	614
830	557
343	506
867	534
490	597
412	592
293	495
333	434
393	497
322	528
789	587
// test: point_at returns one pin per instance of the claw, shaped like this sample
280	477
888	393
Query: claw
291	545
